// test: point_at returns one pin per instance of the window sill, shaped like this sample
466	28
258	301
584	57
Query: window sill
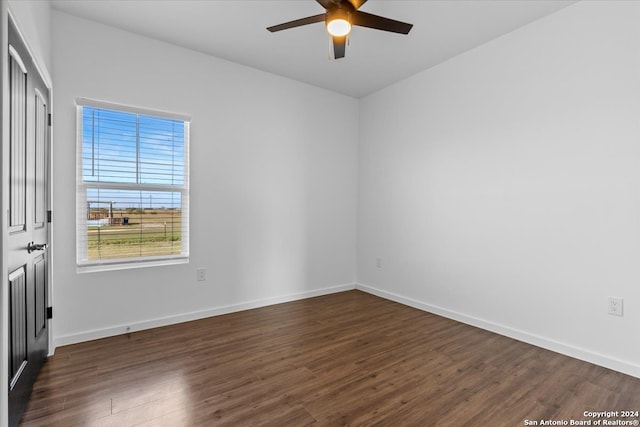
107	266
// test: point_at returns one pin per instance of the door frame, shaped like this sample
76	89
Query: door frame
8	16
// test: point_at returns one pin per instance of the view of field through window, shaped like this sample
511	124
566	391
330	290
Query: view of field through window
135	228
131	198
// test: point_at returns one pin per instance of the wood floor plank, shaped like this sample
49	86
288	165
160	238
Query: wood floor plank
342	359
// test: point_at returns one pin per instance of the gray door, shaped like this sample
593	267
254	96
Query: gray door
28	225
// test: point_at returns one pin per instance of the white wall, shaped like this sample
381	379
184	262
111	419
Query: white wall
273	183
4	173
502	188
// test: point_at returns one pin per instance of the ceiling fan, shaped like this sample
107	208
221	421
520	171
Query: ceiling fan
340	16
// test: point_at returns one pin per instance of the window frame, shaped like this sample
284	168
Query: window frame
82	262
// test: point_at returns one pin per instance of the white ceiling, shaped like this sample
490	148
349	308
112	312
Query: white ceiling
236	30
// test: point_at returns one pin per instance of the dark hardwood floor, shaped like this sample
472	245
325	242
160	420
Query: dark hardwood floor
343	359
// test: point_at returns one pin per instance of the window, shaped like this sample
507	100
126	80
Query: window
132	187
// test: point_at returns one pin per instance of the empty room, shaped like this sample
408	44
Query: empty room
320	212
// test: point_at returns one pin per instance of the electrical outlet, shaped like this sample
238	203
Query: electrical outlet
201	273
615	306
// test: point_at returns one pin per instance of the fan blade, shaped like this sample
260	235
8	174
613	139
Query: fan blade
298	23
339	45
326	3
368	20
357	3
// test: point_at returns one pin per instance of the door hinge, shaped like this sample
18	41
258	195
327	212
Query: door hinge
49	312
49	119
48	216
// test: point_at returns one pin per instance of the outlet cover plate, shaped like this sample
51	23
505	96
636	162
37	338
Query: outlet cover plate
615	306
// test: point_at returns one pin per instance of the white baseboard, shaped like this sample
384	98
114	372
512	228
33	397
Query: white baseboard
539	341
625	367
186	317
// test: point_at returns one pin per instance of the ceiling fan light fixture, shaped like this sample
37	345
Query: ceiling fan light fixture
339	27
339	17
338	22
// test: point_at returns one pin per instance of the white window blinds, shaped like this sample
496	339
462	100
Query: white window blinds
132	185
